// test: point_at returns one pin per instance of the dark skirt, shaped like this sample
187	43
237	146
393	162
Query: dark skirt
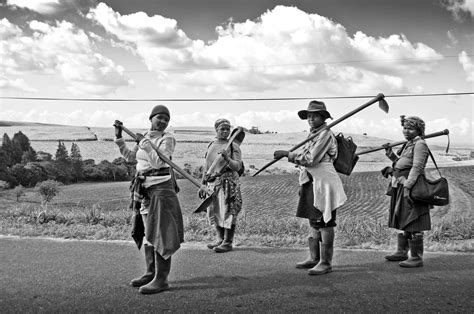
164	224
307	210
405	214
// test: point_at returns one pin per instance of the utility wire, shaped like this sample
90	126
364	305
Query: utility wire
226	99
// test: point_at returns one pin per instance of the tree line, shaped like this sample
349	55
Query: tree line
21	165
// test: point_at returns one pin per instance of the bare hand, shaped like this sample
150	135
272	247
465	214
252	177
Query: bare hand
204	191
280	154
118	128
225	155
139	137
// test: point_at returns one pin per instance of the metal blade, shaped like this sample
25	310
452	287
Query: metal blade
383	105
205	204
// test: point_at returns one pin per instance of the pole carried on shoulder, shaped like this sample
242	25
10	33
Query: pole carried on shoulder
163	157
370	150
382	105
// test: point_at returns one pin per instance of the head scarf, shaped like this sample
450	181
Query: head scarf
220	122
415	123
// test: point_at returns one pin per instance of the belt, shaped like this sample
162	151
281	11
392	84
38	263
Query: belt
155	172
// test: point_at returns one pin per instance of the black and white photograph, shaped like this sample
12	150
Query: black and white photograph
247	156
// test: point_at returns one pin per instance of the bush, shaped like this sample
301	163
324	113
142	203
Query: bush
48	190
19	191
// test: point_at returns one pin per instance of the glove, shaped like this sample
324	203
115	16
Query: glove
118	129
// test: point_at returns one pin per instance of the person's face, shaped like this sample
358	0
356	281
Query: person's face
409	132
315	120
159	122
223	131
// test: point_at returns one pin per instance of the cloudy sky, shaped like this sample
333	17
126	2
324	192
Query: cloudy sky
215	49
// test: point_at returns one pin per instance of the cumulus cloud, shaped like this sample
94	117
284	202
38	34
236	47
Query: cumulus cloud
284	48
460	8
15	84
59	48
467	65
50	7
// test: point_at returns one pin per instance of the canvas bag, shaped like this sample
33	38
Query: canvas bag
430	192
346	157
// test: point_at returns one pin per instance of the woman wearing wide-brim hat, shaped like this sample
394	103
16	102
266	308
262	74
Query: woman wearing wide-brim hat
321	190
155	200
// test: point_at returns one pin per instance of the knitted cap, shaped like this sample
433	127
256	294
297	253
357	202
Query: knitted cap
159	109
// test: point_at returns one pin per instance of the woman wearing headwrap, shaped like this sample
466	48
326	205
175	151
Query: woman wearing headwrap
321	191
154	196
222	213
408	217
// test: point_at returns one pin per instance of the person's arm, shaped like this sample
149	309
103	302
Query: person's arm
235	159
312	156
420	156
129	154
166	147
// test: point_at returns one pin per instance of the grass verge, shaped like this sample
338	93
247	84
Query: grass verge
95	222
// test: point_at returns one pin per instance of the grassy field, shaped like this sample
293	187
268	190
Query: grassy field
191	145
99	211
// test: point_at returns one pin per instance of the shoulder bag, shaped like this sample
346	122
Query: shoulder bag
430	192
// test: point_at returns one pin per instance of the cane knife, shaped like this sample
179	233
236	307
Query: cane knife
382	105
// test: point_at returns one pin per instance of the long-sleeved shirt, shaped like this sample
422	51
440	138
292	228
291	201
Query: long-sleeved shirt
323	148
413	156
146	156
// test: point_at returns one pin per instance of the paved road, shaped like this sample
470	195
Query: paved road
44	276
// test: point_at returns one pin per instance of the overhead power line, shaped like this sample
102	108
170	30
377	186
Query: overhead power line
225	99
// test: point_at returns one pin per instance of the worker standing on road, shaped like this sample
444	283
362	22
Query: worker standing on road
222	213
321	190
154	196
405	215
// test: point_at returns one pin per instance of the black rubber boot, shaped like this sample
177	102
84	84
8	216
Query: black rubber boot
327	250
160	281
402	249
226	245
150	267
314	256
416	252
220	238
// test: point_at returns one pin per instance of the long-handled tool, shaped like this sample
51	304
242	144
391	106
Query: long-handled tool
238	135
370	150
164	158
206	201
382	105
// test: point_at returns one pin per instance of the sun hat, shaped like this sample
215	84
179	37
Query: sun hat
314	106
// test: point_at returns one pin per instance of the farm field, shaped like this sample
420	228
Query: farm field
275	196
257	149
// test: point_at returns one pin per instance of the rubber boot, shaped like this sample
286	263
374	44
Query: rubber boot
314	255
402	249
327	250
416	252
160	281
220	238
150	268
226	245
